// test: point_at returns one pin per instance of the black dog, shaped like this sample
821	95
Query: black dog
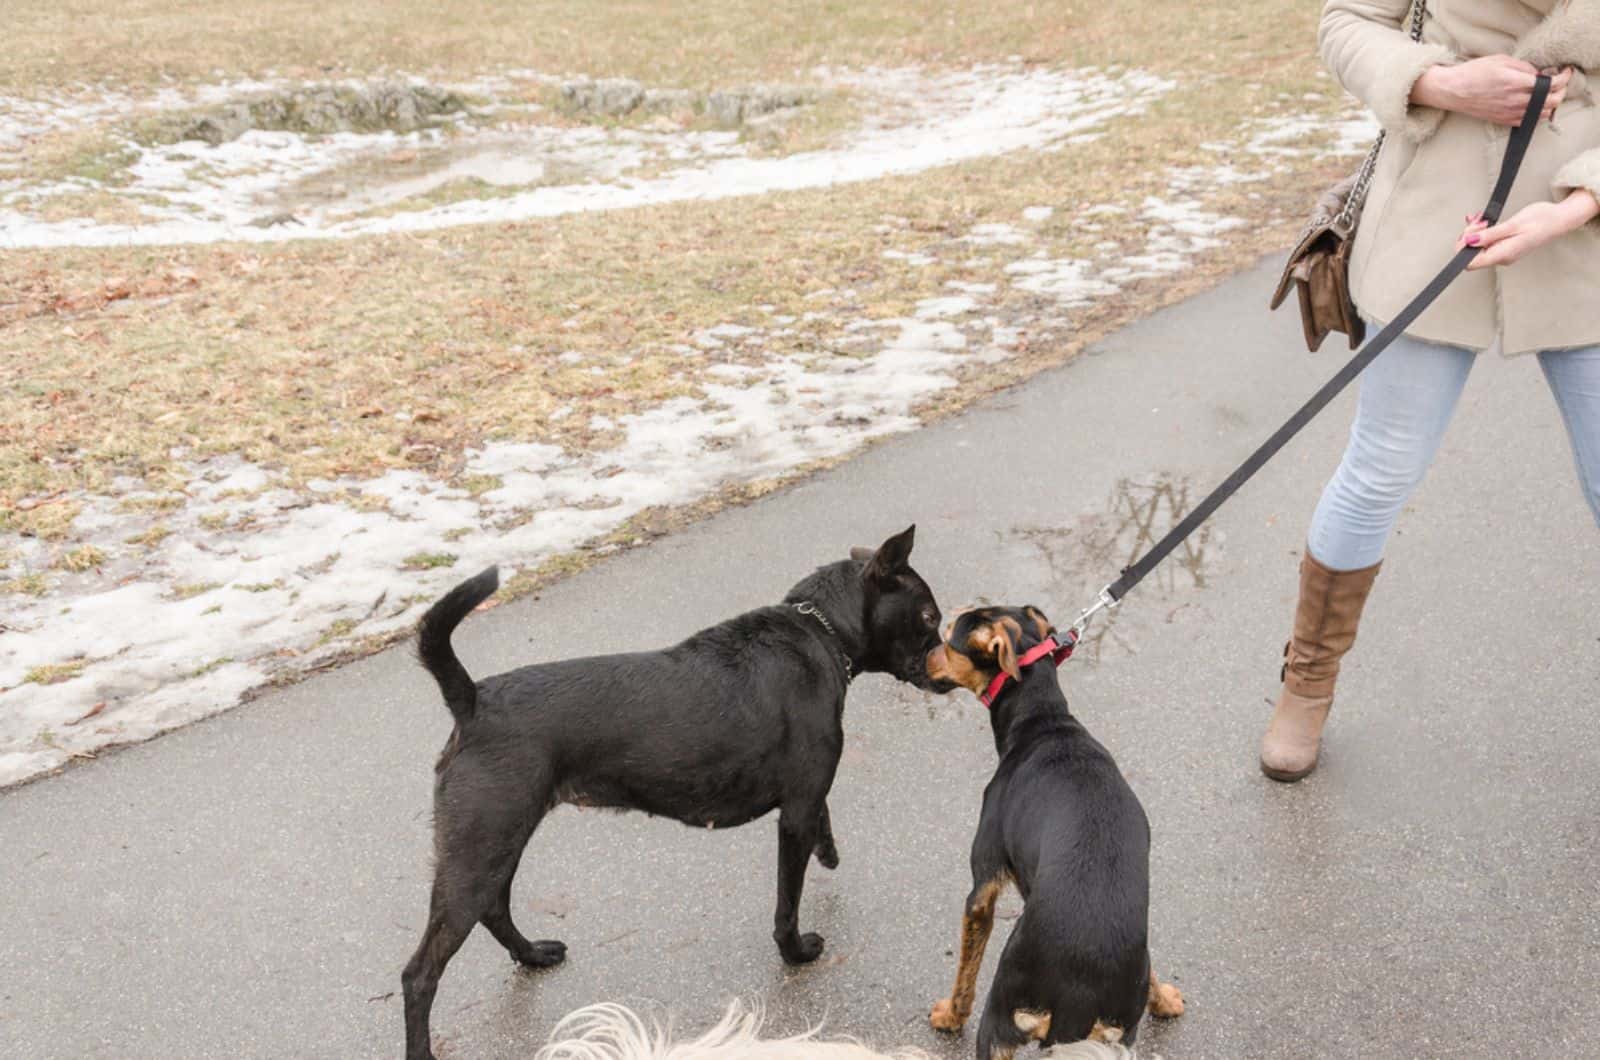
1061	823
740	719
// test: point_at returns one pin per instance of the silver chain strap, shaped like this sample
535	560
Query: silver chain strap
1358	193
806	607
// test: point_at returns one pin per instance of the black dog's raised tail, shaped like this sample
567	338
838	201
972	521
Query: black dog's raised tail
433	641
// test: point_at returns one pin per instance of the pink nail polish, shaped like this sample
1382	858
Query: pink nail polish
1474	239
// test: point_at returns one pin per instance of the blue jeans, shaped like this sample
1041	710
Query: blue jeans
1407	397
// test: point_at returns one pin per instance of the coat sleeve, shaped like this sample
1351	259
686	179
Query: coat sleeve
1368	49
1581	172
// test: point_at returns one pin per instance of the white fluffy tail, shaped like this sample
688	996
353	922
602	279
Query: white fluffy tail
613	1032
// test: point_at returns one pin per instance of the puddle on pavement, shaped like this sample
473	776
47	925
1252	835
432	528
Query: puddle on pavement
1083	556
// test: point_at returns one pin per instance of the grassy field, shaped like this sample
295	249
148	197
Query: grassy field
54	44
299	353
314	371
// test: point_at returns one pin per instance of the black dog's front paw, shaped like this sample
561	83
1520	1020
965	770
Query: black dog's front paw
546	953
827	854
803	949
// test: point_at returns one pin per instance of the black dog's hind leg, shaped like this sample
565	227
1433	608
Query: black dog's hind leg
827	853
447	929
797	838
542	954
478	840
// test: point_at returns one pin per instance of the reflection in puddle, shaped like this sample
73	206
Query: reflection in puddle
1082	558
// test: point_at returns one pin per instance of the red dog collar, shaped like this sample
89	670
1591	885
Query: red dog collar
1057	649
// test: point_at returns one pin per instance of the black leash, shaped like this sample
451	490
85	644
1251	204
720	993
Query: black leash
1132	575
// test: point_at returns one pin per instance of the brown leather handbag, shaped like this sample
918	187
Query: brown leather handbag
1319	265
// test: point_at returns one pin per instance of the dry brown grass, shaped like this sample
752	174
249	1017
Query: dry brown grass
344	358
55	673
54	43
79	560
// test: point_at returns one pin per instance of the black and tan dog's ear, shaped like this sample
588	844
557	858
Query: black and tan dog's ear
998	640
1044	626
1004	647
891	556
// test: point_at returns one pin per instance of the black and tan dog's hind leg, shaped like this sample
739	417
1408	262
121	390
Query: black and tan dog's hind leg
1166	1001
951	1013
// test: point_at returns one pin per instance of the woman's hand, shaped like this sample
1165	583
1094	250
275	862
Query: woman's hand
1495	88
1528	229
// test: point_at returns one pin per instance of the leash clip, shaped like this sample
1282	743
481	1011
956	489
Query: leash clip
1103	602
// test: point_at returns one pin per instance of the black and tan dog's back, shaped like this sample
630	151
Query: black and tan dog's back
740	719
1059	822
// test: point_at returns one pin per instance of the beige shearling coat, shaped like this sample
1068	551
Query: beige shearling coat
1437	167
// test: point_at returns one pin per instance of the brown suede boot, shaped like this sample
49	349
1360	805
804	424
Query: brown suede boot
1325	623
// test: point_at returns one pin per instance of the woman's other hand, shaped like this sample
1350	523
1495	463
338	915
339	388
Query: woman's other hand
1495	88
1528	229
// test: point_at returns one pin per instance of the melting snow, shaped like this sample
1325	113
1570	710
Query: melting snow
215	613
165	637
196	192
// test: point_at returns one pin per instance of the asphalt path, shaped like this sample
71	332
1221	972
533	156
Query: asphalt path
251	886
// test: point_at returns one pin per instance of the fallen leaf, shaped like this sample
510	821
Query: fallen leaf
97	708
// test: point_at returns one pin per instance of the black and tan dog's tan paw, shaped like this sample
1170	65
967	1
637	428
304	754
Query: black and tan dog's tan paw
945	1018
1166	1000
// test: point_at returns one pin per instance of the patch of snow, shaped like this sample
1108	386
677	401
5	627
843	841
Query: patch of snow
1070	281
292	577
714	336
1177	229
217	193
1037	214
1299	135
24	120
910	258
210	614
1006	338
949	306
996	234
1180	230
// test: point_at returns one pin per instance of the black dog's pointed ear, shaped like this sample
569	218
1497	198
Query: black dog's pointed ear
893	555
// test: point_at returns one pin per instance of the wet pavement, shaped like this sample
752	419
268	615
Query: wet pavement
251	886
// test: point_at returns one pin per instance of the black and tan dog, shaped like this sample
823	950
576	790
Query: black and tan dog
1059	822
740	719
